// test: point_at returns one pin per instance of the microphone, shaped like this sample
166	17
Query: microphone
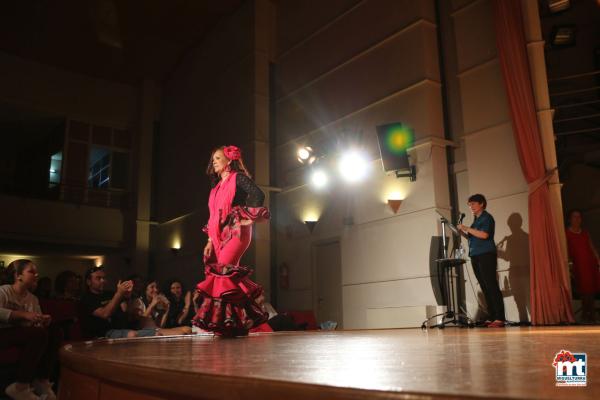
460	218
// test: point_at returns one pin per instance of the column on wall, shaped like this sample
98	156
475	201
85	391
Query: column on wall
260	134
148	100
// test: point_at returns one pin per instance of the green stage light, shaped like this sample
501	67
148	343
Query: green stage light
398	138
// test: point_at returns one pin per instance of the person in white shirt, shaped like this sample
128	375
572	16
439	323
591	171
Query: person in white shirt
23	325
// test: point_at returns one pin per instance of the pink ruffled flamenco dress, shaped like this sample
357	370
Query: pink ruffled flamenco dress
226	303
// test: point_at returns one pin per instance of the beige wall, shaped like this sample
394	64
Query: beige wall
363	64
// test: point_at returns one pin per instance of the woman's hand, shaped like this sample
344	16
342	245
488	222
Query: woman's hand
208	250
46	319
33	317
163	299
187	300
153	302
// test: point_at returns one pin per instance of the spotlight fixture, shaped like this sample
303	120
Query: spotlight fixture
306	155
563	36
311	225
353	166
394	140
556	6
394	204
175	250
319	179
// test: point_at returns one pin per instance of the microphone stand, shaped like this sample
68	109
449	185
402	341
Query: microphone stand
451	315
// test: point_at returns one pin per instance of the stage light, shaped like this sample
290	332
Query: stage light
319	179
306	155
557	6
353	166
563	36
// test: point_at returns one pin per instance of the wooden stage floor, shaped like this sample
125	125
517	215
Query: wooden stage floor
511	363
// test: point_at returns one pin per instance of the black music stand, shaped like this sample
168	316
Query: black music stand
452	316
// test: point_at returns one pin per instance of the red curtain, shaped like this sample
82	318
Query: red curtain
550	294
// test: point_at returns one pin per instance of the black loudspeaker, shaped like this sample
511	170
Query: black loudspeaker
394	140
438	285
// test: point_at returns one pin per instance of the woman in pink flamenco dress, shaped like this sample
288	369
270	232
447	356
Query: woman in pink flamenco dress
226	301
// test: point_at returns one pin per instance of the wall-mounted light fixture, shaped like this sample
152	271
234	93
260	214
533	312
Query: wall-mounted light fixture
311	225
176	246
394	204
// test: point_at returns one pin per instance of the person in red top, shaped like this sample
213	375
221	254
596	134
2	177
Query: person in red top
586	262
226	300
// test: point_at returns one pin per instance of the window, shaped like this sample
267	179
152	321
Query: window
108	168
99	176
55	170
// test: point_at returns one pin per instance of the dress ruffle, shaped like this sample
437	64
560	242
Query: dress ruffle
232	227
226	304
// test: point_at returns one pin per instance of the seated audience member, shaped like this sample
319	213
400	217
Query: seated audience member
23	325
181	310
106	314
66	286
156	304
138	285
44	288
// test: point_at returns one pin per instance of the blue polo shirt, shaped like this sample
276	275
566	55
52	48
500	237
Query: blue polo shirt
485	222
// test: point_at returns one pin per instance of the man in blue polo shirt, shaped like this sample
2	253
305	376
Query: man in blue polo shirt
484	259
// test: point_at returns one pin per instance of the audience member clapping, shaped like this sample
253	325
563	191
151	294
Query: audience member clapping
117	315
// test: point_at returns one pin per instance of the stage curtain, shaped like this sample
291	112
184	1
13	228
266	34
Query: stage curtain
550	293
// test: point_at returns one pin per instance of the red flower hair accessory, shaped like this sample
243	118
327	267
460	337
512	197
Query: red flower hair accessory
232	152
